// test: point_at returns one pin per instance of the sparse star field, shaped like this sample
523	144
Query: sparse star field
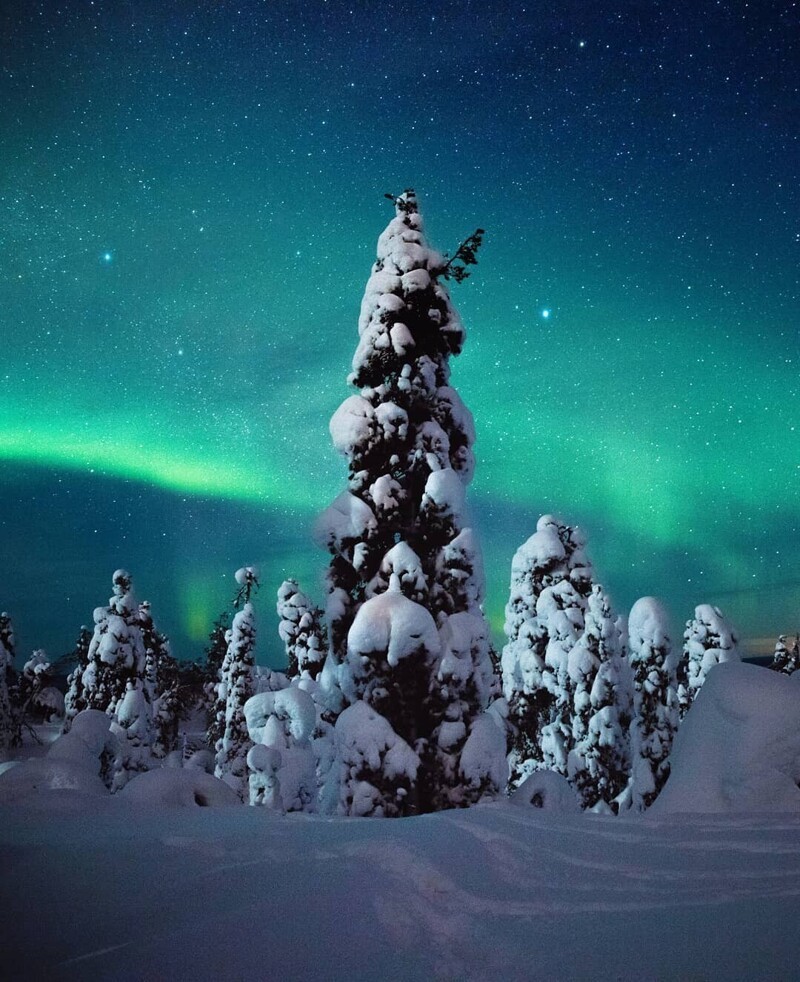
191	196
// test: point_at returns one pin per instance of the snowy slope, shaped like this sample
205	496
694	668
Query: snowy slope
104	889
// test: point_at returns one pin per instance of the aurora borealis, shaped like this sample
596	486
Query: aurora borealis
191	196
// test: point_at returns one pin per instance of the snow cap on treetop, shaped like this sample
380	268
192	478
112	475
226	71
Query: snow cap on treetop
121	579
648	623
246	575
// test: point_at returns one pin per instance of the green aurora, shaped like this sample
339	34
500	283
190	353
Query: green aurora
186	244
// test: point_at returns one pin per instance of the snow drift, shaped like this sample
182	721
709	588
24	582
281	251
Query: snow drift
738	750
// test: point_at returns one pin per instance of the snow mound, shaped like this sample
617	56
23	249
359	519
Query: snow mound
171	788
89	745
202	760
33	777
738	750
547	790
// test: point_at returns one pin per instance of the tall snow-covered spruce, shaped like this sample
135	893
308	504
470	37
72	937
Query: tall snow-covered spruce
236	685
405	584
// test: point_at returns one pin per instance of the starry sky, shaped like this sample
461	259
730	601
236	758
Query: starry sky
190	197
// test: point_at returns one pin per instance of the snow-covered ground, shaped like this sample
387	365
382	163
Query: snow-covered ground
496	892
146	885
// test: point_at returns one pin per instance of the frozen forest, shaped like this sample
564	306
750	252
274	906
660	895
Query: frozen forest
592	744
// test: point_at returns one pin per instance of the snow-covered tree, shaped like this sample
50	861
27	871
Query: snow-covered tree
408	440
264	763
282	721
75	699
133	726
468	745
28	686
235	687
302	630
655	701
786	659
162	684
708	640
598	760
8	726
7	644
560	615
214	656
115	682
116	653
375	770
550	584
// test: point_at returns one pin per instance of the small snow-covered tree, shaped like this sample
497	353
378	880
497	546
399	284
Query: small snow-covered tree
235	687
133	726
264	763
302	630
162	683
550	583
116	653
214	656
29	684
786	659
115	682
7	644
8	726
708	640
75	699
598	760
655	701
468	745
408	440
284	722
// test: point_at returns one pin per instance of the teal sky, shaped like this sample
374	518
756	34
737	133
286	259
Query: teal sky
191	196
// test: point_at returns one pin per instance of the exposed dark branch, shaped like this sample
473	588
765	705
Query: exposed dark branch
465	255
401	203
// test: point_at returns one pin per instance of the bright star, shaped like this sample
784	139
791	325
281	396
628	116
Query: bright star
545	313
107	257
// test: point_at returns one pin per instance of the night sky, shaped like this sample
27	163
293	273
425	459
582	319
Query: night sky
191	194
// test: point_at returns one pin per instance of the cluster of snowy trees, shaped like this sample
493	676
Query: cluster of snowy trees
787	655
591	696
123	670
26	696
393	702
